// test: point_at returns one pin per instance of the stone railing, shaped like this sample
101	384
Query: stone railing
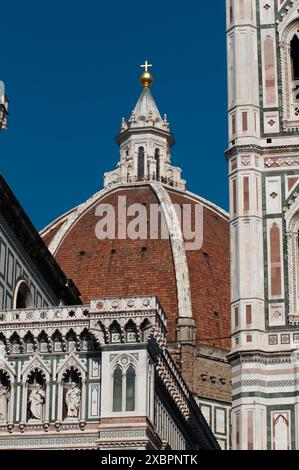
101	317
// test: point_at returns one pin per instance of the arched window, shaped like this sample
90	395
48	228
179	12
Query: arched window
146	329
289	55
57	341
117	389
140	170
115	333
157	157
124	389
86	341
71	341
130	389
15	344
131	332
43	342
29	342
22	296
295	66
292	259
281	434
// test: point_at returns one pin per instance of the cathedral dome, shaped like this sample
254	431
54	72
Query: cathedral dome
193	285
116	268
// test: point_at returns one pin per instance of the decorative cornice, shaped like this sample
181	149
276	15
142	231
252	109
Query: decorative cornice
98	317
272	357
276	149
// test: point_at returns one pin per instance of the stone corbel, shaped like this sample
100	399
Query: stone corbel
82	424
57	425
10	427
46	426
186	329
22	426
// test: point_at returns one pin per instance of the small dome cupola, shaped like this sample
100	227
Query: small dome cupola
144	142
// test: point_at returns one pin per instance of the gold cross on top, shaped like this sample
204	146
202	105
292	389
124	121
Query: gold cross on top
146	65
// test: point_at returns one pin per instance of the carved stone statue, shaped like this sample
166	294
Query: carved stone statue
4	397
72	399
37	400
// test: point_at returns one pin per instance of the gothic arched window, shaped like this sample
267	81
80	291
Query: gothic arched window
146	329
43	342
140	170
15	344
115	333
117	389
57	341
71	341
289	55
86	341
130	389
29	342
295	65
292	252
131	332
124	385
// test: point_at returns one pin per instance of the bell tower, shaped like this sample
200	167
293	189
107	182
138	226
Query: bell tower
263	161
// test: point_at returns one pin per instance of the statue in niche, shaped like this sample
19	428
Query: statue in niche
4	397
37	400
73	399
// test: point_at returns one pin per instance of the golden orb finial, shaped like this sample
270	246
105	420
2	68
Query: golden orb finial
146	78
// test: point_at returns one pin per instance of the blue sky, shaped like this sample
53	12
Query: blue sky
71	72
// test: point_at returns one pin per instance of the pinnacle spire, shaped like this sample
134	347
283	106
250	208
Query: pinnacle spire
146	112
